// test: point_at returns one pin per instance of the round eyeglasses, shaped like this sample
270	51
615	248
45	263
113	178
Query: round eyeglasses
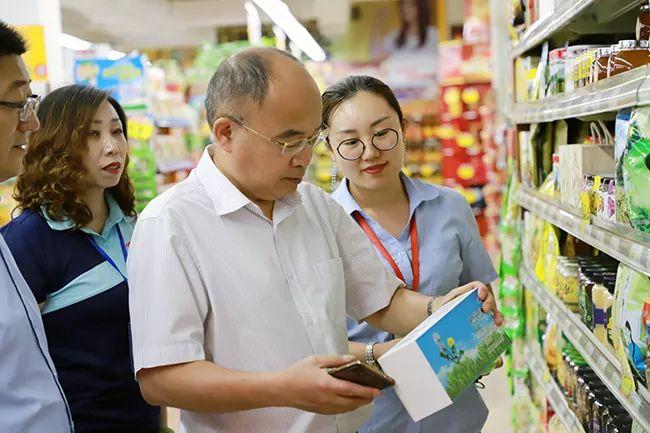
353	149
26	107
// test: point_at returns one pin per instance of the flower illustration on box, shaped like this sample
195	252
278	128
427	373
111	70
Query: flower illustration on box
462	345
450	351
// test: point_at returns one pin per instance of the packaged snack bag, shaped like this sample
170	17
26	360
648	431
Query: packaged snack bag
633	168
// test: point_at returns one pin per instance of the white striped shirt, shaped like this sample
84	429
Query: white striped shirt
212	279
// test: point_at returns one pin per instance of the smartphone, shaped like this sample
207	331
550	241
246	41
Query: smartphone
363	374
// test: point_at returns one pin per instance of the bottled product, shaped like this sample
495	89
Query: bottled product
556	71
599	67
596	415
630	55
571	60
589	60
567	281
602	301
643	23
591	272
610	284
613	411
581	399
615	49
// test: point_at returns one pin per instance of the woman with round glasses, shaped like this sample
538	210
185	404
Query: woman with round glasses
426	234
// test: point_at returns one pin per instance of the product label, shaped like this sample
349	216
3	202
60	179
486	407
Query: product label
585	201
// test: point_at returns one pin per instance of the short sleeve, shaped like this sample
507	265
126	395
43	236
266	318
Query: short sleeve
23	244
477	264
369	285
168	302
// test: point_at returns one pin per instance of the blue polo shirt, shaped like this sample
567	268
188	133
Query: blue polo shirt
451	254
86	316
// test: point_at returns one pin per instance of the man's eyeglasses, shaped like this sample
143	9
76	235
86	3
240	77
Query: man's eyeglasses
353	149
26	107
289	148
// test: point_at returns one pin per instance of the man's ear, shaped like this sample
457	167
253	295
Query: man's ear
222	130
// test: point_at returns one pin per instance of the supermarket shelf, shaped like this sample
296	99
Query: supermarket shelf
540	371
600	357
612	94
542	30
624	244
574	15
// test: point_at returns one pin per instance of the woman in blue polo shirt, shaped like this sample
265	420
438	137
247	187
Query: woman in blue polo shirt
71	243
426	234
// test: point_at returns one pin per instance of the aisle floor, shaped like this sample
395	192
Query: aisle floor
495	394
497	398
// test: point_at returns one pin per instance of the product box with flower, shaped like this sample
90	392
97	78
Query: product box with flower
441	358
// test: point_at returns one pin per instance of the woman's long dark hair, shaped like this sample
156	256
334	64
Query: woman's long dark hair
424	15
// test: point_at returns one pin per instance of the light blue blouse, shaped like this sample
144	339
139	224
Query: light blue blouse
451	254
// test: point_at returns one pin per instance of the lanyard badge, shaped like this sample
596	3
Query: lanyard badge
415	248
107	257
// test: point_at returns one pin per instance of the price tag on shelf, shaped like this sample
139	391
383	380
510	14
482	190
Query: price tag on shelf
627	385
593	350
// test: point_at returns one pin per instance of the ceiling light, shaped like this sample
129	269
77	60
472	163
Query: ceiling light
280	14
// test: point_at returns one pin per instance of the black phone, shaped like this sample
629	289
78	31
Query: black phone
363	374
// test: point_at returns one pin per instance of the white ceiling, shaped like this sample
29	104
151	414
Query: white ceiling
129	24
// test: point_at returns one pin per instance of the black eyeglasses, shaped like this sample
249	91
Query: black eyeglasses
353	149
289	148
26	107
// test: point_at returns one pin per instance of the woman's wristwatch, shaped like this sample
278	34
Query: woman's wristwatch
370	355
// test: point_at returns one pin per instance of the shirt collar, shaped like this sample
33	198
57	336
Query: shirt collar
418	192
225	196
115	216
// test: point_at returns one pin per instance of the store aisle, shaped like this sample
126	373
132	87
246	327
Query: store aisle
498	400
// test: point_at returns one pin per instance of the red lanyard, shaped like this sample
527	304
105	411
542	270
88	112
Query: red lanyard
415	249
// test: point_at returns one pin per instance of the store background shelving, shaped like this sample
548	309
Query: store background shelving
600	358
624	244
572	17
540	372
625	90
576	22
